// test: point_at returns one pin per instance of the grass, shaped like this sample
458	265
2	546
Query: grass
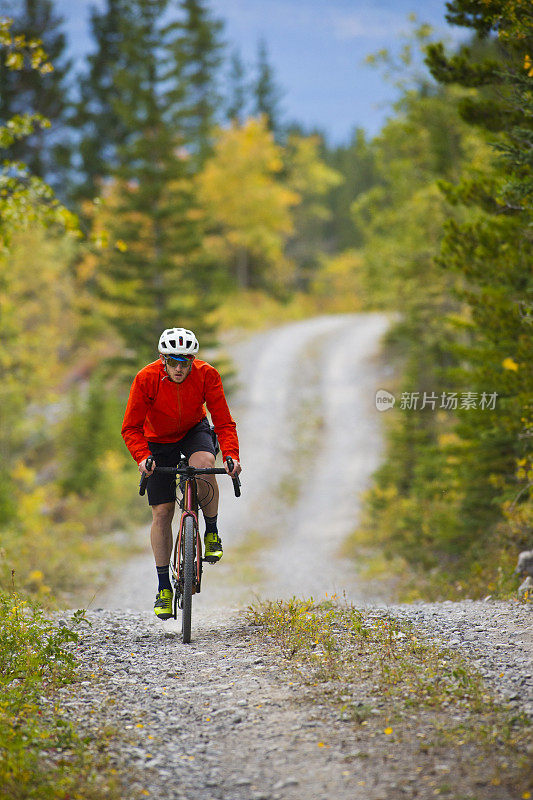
389	681
41	753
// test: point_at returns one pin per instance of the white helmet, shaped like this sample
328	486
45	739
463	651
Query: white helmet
178	342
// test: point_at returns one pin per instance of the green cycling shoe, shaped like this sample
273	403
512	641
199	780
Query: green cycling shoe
163	604
212	548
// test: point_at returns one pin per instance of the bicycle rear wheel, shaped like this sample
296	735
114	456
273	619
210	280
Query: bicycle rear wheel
189	535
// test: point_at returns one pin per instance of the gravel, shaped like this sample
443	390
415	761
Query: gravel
224	718
495	636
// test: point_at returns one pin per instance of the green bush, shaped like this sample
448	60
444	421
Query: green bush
41	754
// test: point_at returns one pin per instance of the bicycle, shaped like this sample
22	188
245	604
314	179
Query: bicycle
187	561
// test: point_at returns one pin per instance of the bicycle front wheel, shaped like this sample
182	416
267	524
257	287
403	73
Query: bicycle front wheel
189	535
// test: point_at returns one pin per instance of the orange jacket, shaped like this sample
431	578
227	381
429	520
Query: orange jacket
160	410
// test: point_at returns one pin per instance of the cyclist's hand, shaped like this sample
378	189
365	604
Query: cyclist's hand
142	467
236	468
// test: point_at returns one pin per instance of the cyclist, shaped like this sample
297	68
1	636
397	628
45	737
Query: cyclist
165	416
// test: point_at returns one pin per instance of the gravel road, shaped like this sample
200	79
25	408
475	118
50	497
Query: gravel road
222	718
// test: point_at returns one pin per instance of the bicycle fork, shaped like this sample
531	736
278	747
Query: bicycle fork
177	576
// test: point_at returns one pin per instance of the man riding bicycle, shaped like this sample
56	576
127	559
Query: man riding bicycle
166	417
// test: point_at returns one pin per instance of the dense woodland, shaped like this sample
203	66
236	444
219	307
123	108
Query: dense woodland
158	182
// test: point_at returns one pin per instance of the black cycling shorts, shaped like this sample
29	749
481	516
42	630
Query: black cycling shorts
161	486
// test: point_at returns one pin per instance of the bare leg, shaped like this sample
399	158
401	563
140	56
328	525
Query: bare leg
202	460
161	533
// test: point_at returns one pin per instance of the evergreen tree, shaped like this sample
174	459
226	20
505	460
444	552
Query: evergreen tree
236	101
356	163
448	229
492	252
155	275
102	127
197	58
267	95
45	151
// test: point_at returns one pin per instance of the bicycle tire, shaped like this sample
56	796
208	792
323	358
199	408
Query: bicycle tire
188	578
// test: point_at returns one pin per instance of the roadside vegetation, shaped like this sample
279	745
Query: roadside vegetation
447	227
42	755
393	684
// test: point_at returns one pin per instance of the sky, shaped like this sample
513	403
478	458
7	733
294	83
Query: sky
317	49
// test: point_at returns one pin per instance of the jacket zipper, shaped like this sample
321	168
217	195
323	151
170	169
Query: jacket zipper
179	409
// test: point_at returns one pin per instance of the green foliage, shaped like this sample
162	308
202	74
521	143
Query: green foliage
29	85
41	754
200	56
267	94
152	272
448	230
190	73
492	253
24	197
356	163
91	433
95	116
236	101
41	355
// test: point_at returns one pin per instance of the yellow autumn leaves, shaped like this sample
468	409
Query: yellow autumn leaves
245	202
249	190
510	364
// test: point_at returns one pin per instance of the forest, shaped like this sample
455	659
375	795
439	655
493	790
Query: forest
159	182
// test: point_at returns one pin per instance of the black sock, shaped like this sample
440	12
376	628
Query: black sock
163	578
211	524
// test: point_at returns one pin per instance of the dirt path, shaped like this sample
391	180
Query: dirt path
223	718
305	409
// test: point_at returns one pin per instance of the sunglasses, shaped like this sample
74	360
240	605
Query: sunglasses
178	361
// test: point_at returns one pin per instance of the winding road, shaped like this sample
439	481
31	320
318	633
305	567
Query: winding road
310	439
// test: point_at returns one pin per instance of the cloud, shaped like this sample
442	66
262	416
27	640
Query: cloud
367	23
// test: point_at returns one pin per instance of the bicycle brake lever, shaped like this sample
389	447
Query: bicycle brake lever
144	478
236	481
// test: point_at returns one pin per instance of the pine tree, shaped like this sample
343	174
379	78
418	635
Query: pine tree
155	275
46	151
267	95
236	101
356	162
196	55
102	128
492	252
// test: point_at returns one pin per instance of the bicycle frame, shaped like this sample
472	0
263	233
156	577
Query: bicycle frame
190	509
